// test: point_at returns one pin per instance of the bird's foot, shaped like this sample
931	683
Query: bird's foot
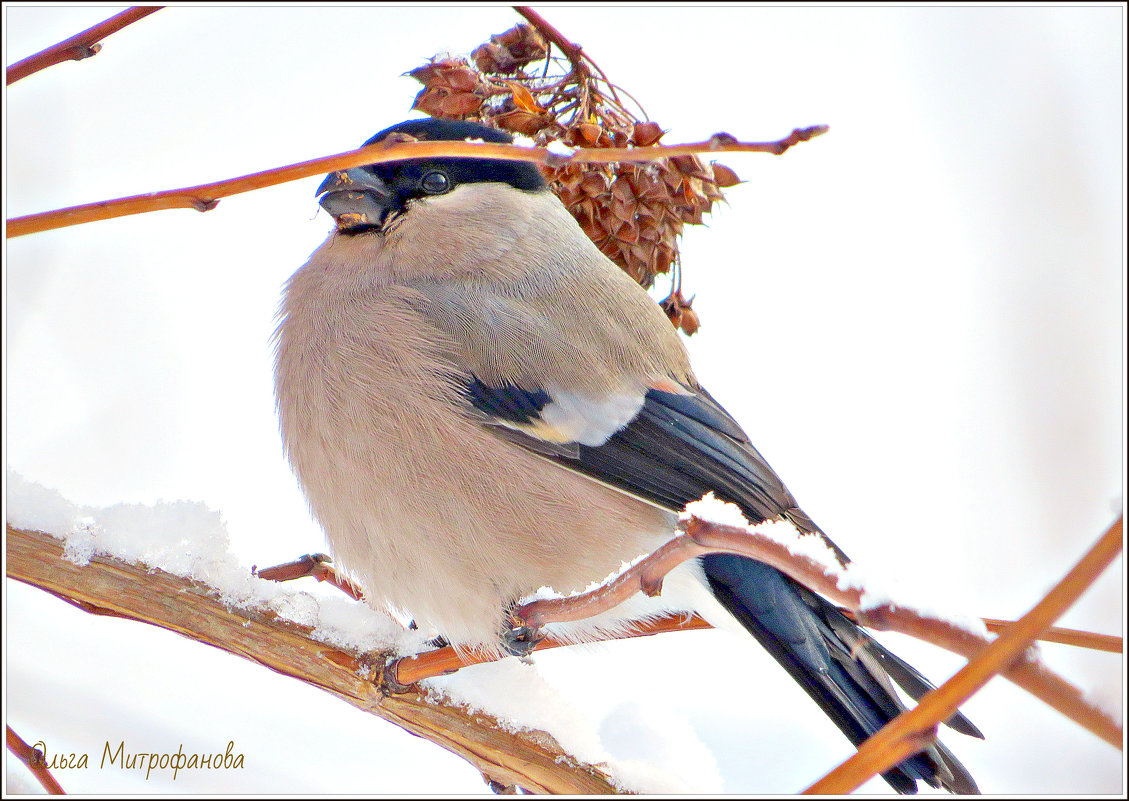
520	641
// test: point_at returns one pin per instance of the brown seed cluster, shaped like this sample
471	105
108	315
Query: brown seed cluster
633	212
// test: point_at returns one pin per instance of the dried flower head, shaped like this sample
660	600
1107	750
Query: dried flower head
633	212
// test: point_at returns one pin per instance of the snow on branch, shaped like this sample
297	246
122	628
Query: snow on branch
106	585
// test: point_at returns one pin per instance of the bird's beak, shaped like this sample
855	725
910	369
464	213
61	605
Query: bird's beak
356	198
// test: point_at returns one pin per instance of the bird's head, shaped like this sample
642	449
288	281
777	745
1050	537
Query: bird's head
371	198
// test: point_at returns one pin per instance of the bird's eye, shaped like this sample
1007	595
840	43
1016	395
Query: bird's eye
435	183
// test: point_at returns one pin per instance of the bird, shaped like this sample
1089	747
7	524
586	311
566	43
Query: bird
478	403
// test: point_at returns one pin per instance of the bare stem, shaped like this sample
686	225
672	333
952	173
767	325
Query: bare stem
34	759
80	46
411	669
887	747
580	61
205	196
572	51
1081	639
312	565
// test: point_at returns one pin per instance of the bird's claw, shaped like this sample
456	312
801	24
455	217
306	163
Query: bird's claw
520	641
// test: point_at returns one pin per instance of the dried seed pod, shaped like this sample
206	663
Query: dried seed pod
673	310
428	101
461	79
522	122
690	322
645	134
678	309
692	166
723	176
584	134
462	104
433	68
594	183
510	51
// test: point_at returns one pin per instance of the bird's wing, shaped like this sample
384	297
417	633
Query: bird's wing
678	445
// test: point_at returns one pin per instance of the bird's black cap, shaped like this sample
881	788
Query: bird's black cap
518	174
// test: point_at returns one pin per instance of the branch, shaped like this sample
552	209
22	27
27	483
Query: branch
442	661
205	197
411	669
1081	639
905	734
312	565
108	586
572	51
823	577
33	759
80	46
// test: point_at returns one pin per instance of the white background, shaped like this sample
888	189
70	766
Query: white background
918	318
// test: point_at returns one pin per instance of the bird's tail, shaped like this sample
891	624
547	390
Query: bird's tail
840	666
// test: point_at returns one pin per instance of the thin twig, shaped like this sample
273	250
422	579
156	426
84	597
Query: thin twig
884	749
1090	640
205	197
34	759
80	46
572	51
438	662
412	669
312	565
701	537
426	665
1079	639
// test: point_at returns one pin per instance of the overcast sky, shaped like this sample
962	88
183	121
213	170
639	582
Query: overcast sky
918	318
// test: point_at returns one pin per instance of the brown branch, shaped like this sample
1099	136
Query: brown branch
34	759
573	52
701	537
1079	639
80	46
1089	640
312	565
441	661
531	760
205	197
886	748
411	669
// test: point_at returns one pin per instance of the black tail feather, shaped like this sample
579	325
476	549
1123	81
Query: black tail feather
817	645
